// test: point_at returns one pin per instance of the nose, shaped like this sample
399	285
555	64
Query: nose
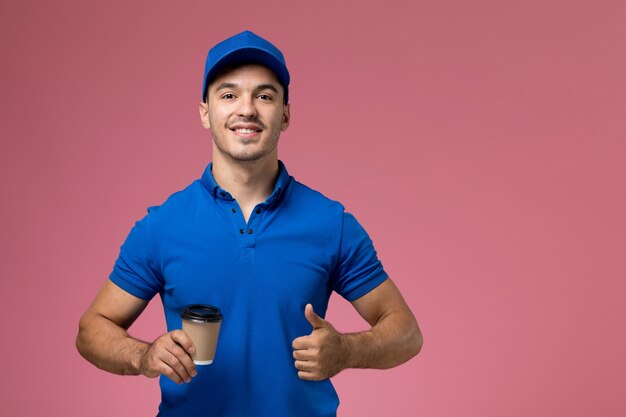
247	107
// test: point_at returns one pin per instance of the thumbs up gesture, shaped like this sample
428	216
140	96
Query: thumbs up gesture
323	353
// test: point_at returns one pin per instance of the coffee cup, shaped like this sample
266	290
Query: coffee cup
202	324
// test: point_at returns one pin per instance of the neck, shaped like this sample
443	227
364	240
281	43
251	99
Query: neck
250	183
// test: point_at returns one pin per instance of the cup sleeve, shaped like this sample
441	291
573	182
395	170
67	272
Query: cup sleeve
358	269
135	269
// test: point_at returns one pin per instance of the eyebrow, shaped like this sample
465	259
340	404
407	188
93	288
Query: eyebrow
267	87
227	85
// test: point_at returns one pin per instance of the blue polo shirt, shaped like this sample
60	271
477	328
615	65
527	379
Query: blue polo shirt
296	248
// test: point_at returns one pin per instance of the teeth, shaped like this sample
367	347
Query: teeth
246	130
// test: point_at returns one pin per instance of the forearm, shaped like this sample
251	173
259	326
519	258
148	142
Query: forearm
108	346
393	340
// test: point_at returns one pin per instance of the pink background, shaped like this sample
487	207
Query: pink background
481	143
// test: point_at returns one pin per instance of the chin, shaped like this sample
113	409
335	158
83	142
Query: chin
247	157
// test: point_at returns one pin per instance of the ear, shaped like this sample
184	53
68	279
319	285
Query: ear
286	117
204	115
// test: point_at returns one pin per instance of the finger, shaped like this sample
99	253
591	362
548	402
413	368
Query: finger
169	372
183	340
172	361
183	348
308	376
304	355
186	360
316	321
305	366
174	358
302	342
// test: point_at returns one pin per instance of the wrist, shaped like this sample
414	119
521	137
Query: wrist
354	348
138	357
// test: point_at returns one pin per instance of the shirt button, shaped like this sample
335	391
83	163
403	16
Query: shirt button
241	231
249	231
258	211
234	210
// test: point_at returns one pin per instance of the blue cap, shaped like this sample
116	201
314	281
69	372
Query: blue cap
243	48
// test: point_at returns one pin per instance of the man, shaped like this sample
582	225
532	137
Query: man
266	250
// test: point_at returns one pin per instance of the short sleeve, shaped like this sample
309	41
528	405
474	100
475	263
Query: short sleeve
358	270
135	271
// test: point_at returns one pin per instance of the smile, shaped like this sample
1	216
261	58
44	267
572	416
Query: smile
246	131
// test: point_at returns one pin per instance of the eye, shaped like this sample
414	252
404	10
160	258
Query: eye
228	96
266	97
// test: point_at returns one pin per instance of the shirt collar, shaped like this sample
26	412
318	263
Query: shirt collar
208	181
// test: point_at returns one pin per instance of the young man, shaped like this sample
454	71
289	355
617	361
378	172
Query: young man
265	249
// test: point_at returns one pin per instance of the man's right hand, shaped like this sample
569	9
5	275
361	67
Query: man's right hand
169	355
103	340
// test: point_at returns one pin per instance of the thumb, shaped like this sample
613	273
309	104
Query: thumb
312	317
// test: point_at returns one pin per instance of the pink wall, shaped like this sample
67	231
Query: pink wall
481	143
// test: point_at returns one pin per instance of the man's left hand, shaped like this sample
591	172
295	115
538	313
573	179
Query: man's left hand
323	353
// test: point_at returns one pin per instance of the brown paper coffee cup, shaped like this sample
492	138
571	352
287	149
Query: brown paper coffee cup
202	324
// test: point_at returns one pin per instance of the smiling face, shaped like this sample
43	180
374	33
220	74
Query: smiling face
245	112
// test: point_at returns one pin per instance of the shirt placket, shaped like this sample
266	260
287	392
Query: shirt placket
246	232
